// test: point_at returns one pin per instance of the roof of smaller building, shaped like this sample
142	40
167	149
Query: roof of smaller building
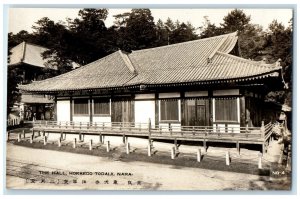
200	60
26	53
35	99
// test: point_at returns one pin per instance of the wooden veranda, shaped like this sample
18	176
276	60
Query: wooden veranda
238	135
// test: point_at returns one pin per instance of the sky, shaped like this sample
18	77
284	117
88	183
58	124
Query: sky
24	18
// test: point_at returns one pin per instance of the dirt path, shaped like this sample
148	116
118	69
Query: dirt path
25	165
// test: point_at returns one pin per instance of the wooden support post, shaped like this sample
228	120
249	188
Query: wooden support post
45	140
107	146
127	148
7	136
199	155
59	142
80	137
263	148
91	145
262	129
103	138
173	153
149	149
23	134
31	139
259	161
238	147
204	145
74	143
175	144
32	132
227	157
65	136
19	137
124	139
100	138
83	137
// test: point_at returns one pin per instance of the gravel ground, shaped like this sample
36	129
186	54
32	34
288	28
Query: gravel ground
27	169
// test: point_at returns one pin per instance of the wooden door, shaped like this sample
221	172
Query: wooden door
197	112
121	111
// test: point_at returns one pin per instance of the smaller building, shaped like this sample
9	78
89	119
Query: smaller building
27	59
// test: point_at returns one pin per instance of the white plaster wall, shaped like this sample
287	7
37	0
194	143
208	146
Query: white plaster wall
106	120
165	126
81	118
63	110
143	110
232	128
236	128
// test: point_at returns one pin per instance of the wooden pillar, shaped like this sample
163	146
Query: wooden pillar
156	110
242	111
7	136
55	108
182	108
71	109
91	108
23	134
204	145
210	110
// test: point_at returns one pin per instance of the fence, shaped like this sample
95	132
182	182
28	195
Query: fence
13	122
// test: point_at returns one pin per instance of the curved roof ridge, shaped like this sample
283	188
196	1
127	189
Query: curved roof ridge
258	63
187	42
127	62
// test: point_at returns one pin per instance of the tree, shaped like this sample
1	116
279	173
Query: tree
210	30
236	20
182	33
13	95
137	30
280	41
252	41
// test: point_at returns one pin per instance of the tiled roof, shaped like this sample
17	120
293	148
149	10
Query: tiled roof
26	53
194	61
35	99
31	54
110	71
